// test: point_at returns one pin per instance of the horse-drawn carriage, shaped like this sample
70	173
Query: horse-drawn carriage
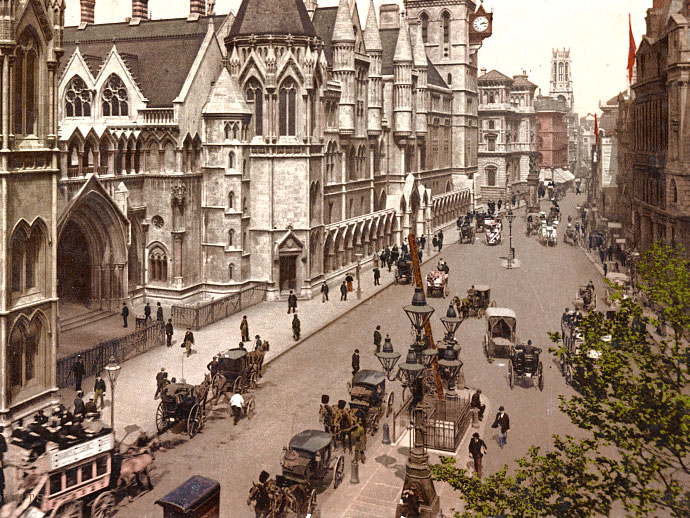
236	372
586	297
368	398
620	282
570	236
475	304
493	232
525	365
467	233
549	235
554	215
403	272
437	284
198	497
500	335
182	404
533	223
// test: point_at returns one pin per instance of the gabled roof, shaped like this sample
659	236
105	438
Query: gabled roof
158	53
323	21
495	75
272	17
522	81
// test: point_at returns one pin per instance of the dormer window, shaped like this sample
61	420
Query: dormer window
77	99
114	99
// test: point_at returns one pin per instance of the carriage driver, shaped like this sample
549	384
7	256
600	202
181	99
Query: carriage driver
236	404
529	349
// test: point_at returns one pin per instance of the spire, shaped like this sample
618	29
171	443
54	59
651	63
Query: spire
343	31
419	49
403	48
372	38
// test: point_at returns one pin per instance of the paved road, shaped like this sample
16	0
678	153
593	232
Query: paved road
288	398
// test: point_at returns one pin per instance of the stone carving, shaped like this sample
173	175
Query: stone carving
178	193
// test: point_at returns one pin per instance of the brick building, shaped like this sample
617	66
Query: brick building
552	132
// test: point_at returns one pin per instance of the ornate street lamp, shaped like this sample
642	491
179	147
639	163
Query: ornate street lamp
511	217
408	371
450	366
451	322
388	357
113	370
419	313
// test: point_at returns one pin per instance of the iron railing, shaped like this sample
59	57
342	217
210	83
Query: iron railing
122	349
205	313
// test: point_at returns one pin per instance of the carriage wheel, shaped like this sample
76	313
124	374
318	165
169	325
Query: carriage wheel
349	387
161	421
103	506
251	408
492	304
389	403
68	510
194	420
540	382
339	471
216	385
561	361
252	380
238	385
311	505
568	374
511	379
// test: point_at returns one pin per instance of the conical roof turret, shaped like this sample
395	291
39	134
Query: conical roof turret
419	49
403	48
372	38
343	31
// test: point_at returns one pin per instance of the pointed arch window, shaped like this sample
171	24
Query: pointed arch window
26	84
287	110
424	20
255	97
231	160
114	99
231	268
231	237
158	265
445	23
77	99
28	259
491	176
23	353
231	200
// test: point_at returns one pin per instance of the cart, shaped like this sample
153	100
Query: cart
466	234
549	235
403	272
309	458
182	404
199	497
585	298
368	398
437	284
475	304
500	335
525	365
620	281
236	372
493	232
533	223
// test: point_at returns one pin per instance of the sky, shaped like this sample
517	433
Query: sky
524	32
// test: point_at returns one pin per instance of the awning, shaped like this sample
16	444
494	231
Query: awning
558	176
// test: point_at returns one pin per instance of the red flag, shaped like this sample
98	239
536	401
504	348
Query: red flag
596	129
631	51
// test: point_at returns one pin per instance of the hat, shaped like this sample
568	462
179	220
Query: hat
501	409
479	391
257	336
80	394
162	369
325	398
90	398
341	404
357	351
263	477
475	434
378	327
78	355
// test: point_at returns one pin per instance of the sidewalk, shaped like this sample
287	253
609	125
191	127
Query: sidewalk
135	387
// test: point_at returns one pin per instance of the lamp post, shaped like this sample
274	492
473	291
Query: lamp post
408	371
510	217
113	370
359	284
419	313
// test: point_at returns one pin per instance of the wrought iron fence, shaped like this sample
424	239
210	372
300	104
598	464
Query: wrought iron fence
202	314
121	348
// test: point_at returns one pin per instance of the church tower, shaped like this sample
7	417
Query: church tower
561	84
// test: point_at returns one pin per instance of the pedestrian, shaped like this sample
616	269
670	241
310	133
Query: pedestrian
125	313
410	504
434	242
606	268
359	435
377	339
292	302
258	344
382	258
159	312
99	391
590	241
160	377
389	261
419	255
90	408
502	422
602	255
79	408
296	327
343	291
169	332
513	200
324	292
422	241
241	346
355	362
79	372
476	402
147	312
609	253
440	240
404	249
500	202
188	341
348	280
377	276
375	258
236	405
244	328
477	451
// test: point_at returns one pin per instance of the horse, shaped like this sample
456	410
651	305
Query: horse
131	468
327	417
263	501
344	424
256	358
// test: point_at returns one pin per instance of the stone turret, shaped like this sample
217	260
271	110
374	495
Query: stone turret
402	82
421	65
344	65
372	42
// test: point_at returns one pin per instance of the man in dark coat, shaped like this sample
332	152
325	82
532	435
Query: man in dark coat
477	450
355	362
377	339
90	407
79	408
169	332
395	253
296	327
244	328
434	241
292	302
476	402
147	312
440	240
188	341
422	241
502	422
125	313
377	277
324	292
343	291
159	312
160	377
79	372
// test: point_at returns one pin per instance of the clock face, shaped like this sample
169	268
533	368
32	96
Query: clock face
481	23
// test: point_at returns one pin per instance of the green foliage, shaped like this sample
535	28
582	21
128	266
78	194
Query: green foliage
633	404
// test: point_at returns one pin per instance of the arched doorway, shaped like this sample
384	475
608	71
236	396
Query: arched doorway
73	263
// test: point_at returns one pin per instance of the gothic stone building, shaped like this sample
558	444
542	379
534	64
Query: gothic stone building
204	154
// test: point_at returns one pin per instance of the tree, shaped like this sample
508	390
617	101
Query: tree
633	407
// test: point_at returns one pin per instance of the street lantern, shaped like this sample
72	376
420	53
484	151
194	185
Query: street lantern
450	366
428	356
388	358
511	217
419	312
410	370
451	322
113	370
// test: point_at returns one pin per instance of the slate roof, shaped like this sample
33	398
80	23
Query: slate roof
158	53
389	38
323	22
523	82
495	75
433	77
272	17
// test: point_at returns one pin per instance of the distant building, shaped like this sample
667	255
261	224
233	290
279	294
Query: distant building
552	132
561	88
608	168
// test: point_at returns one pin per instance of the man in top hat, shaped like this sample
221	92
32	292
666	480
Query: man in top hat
502	422
79	407
326	413
79	372
159	312
90	407
477	451
476	402
160	378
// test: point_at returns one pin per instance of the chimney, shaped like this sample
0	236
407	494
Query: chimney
140	9
88	8
483	71
658	4
197	7
389	16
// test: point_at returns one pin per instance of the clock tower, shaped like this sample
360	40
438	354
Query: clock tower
453	31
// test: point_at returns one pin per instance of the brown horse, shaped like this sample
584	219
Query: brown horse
256	358
131	468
